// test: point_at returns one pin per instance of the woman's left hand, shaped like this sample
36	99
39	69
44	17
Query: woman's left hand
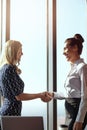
77	126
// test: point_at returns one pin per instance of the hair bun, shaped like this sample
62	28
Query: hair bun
79	37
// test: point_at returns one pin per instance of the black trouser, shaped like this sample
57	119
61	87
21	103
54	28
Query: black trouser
72	107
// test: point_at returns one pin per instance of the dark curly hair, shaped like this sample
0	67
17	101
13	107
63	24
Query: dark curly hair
76	40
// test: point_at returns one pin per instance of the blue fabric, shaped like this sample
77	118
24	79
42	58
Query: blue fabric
11	85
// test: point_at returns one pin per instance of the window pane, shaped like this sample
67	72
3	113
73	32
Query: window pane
0	25
71	19
28	25
3	21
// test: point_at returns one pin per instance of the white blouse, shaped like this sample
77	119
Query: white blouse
76	87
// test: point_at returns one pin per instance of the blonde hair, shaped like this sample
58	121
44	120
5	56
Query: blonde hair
9	53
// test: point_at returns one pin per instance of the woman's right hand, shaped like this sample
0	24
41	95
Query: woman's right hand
46	96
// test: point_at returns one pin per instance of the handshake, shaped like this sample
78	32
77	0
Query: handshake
47	96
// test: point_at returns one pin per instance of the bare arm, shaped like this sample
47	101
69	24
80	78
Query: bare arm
26	96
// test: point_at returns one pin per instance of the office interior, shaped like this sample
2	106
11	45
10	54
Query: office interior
42	27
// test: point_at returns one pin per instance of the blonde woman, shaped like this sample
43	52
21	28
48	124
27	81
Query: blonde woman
11	85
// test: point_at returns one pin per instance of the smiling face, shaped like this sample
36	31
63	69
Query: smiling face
71	52
19	54
13	52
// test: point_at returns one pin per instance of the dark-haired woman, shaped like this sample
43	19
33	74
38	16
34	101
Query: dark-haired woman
75	84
